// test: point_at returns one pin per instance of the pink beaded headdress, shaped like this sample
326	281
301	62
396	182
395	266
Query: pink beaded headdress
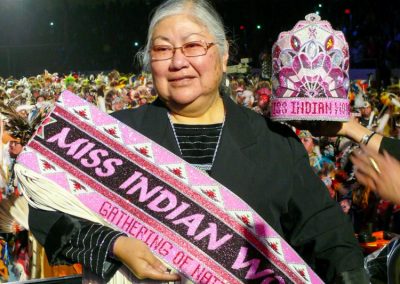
310	73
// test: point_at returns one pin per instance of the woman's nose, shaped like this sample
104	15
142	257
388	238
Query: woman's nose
179	60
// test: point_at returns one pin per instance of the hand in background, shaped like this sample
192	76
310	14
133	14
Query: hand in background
322	128
136	255
350	129
381	172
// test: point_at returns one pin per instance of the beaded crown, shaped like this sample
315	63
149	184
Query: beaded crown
310	77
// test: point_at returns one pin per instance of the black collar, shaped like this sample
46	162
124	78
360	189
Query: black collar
237	128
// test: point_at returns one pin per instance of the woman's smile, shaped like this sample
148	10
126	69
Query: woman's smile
181	81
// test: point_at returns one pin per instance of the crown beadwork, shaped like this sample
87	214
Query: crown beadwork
310	73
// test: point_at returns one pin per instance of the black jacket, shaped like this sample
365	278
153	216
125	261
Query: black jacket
267	166
392	146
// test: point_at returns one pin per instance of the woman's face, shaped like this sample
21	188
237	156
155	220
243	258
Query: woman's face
186	81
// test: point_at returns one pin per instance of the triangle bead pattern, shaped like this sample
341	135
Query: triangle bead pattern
113	131
245	217
176	170
301	270
211	192
274	244
76	186
144	149
83	112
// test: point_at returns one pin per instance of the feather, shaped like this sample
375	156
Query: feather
13	215
20	127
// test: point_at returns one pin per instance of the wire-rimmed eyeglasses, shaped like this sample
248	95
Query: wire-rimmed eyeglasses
190	49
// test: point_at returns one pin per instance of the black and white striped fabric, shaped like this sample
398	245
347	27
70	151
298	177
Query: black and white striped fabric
198	143
91	247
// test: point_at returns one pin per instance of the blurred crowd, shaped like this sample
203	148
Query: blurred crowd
24	102
110	92
376	109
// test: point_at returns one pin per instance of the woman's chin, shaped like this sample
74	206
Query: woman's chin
182	100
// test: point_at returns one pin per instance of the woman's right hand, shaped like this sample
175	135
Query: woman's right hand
136	255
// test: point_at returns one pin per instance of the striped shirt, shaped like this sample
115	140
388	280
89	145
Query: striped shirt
198	143
90	246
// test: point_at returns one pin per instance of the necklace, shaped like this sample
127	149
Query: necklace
203	167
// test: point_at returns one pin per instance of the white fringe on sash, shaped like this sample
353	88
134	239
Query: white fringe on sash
42	193
45	194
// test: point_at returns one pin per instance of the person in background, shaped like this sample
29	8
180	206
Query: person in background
15	147
309	144
367	118
117	104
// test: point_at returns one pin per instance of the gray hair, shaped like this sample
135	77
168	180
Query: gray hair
202	10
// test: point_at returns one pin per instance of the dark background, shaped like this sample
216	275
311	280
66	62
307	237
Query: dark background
100	35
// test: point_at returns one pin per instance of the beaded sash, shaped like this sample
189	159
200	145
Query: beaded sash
189	220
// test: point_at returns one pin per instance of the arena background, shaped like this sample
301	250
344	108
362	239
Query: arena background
99	35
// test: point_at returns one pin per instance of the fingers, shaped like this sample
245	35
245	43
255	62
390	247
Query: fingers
366	180
380	163
374	165
362	162
378	171
136	255
146	266
156	263
156	270
155	274
368	169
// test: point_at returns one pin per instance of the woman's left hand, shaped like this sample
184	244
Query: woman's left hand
381	172
136	255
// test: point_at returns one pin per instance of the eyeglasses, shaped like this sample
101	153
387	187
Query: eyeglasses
190	49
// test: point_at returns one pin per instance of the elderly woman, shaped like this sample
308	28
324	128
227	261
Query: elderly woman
260	161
